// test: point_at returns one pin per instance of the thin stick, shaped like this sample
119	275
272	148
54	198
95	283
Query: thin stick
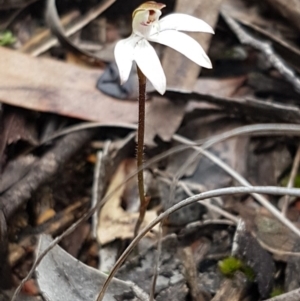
95	191
261	199
253	130
99	183
198	197
80	23
290	184
209	206
265	47
231	218
192	158
273	129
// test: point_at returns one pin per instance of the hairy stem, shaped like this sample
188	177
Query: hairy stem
140	150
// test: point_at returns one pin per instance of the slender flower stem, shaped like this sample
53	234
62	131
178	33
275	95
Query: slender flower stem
140	150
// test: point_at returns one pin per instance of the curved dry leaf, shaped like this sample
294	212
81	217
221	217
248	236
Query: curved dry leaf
114	221
63	278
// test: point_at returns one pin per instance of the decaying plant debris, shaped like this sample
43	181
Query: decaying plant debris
221	168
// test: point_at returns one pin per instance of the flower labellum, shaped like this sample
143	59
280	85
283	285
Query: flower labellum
146	26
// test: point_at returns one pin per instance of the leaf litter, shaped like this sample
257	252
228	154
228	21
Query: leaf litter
46	183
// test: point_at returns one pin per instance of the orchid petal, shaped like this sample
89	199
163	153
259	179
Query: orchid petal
149	63
184	22
124	56
183	44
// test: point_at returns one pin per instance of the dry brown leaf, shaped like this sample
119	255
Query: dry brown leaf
46	215
19	126
289	9
158	124
226	87
51	86
16	125
234	289
271	232
266	161
114	221
267	229
202	170
73	242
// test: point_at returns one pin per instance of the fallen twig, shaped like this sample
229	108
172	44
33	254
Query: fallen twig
56	28
41	170
55	225
266	49
81	22
231	219
99	182
261	199
259	129
186	202
290	184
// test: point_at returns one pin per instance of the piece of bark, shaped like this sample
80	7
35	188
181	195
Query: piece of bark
15	170
42	170
182	73
266	85
247	248
51	86
191	272
292	271
74	242
16	125
234	289
5	271
248	108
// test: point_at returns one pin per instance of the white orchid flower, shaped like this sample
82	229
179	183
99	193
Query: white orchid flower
146	27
